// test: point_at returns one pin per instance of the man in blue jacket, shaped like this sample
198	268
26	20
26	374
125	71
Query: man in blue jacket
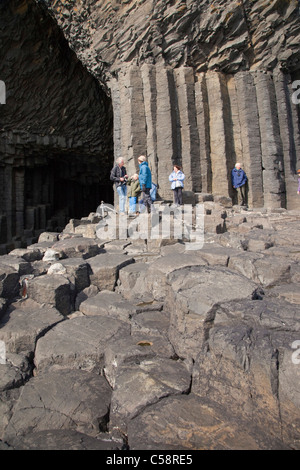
145	179
239	180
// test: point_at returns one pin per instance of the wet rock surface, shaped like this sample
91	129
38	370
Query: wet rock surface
181	349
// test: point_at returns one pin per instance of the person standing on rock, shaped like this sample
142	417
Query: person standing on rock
119	176
134	190
145	179
177	178
239	180
298	173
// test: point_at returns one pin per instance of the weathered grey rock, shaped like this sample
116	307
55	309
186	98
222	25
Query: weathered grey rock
28	255
63	440
108	304
70	399
249	342
267	271
157	278
288	292
191	301
131	283
9	281
190	423
151	323
85	294
105	269
18	263
54	289
137	386
48	236
76	247
78	272
14	372
78	343
24	323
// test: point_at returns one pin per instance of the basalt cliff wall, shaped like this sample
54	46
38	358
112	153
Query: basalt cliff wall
201	83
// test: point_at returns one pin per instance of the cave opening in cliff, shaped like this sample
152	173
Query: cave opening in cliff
56	129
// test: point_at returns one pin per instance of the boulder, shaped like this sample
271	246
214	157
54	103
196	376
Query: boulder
54	289
85	294
105	269
16	370
61	400
18	263
139	385
78	272
9	281
249	347
78	343
108	304
191	301
187	422
265	270
24	323
76	247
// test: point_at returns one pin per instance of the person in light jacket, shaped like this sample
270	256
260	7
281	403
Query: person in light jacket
177	178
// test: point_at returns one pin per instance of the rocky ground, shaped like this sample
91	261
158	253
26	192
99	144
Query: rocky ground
154	344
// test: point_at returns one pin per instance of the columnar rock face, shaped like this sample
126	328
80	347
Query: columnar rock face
207	122
203	84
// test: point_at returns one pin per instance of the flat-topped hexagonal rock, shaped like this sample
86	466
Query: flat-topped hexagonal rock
70	399
24	323
78	343
105	269
108	304
76	247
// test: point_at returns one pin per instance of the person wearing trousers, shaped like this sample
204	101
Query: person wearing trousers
239	180
145	179
176	178
119	176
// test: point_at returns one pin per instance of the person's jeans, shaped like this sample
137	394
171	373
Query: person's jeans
132	204
122	192
178	196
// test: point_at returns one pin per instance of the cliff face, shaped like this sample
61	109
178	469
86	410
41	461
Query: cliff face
225	35
201	83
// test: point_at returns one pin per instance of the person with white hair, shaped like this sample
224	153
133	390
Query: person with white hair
239	180
119	176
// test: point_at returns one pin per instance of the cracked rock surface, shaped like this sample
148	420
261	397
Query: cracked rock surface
183	350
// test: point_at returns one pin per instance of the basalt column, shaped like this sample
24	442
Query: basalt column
207	122
271	143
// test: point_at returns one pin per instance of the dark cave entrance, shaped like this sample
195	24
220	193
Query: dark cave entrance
56	129
63	189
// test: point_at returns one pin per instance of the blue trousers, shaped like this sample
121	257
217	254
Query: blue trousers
132	204
122	192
